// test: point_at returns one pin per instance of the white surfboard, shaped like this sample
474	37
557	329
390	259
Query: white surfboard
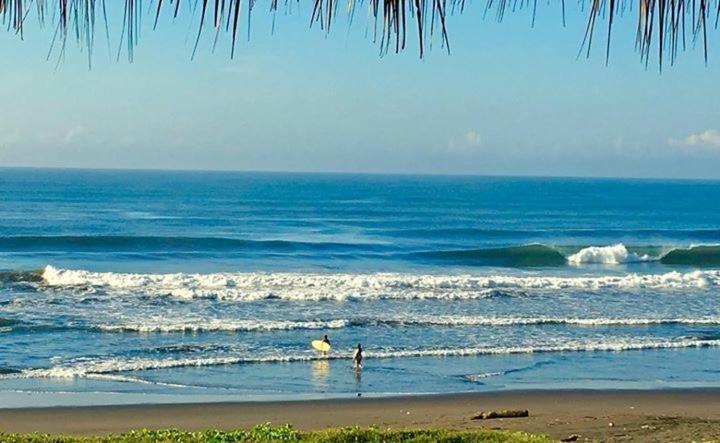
320	345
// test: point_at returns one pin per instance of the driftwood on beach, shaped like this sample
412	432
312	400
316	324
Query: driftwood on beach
514	413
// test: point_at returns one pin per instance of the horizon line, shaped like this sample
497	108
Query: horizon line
363	173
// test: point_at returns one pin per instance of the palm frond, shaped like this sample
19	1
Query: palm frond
660	23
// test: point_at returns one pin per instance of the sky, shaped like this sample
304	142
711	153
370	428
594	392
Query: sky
510	99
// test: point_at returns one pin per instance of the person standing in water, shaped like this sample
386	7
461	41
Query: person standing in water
358	357
326	340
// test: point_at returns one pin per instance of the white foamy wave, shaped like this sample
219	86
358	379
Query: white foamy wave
608	255
616	346
95	368
215	325
340	287
476	378
87	369
164	325
529	321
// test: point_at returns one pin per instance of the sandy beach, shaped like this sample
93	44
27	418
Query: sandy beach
667	415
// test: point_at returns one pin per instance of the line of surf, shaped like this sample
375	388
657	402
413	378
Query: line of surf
124	365
539	255
529	255
167	326
341	287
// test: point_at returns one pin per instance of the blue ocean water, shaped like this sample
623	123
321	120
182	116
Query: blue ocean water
197	285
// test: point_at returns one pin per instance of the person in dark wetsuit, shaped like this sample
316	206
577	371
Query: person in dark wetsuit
326	340
358	357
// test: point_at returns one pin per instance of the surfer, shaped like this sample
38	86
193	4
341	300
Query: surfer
321	345
358	357
326	340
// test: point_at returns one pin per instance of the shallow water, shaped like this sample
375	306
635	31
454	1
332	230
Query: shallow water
208	285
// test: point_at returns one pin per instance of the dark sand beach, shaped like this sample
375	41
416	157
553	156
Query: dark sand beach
664	415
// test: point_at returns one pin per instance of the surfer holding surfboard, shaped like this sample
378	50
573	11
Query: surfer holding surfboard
322	345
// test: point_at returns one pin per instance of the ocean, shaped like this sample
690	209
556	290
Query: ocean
149	286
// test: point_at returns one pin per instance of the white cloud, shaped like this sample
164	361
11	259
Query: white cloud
471	139
707	139
72	134
9	138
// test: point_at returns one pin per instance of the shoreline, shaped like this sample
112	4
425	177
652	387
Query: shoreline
667	414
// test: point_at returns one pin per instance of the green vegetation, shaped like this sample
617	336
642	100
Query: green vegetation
268	433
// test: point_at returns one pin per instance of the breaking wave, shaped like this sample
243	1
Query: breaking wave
529	255
607	255
342	287
160	325
537	255
215	325
530	321
92	368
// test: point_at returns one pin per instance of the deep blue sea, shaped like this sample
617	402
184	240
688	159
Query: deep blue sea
130	286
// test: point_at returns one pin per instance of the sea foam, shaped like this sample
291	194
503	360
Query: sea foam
91	368
219	325
340	287
608	255
194	325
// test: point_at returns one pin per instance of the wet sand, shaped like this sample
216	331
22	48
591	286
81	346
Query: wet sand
664	415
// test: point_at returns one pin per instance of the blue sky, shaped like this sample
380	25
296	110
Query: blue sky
510	100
